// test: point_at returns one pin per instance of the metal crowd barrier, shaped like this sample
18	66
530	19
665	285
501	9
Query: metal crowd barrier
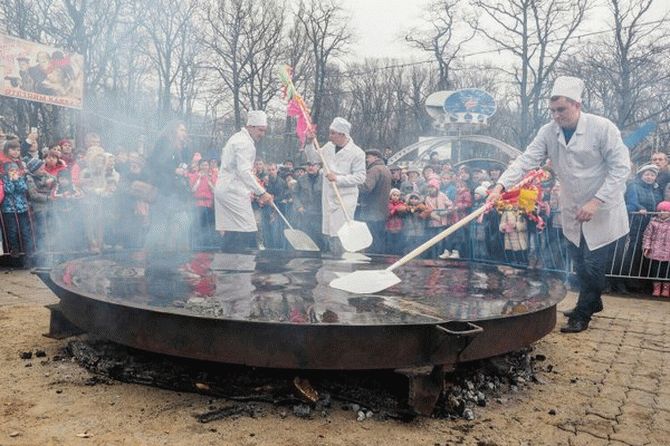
546	249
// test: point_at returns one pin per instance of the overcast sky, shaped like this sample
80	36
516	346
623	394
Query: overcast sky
379	24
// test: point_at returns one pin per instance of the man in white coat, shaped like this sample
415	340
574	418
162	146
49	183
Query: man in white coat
592	164
346	165
236	183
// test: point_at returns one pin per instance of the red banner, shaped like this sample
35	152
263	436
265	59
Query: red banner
40	73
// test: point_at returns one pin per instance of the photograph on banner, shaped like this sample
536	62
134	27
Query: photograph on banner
40	73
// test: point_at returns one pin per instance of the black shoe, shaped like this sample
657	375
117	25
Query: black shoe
575	326
570	312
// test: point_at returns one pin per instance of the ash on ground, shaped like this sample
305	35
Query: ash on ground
247	391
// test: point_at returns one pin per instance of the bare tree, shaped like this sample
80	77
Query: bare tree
246	40
537	33
441	40
326	29
265	32
172	48
626	71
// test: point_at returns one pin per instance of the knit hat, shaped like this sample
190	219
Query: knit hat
257	118
414	194
652	167
34	164
374	152
341	125
569	87
663	206
10	165
394	191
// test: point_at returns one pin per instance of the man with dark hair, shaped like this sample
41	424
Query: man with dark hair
660	159
374	199
272	224
307	202
592	164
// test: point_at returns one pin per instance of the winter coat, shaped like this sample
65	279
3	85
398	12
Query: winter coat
657	239
16	195
595	163
375	191
349	166
439	206
203	194
307	194
415	222
39	190
642	196
235	184
516	239
397	210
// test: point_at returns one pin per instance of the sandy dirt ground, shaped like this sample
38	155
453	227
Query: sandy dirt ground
586	399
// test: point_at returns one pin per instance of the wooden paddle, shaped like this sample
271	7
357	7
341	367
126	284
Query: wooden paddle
298	239
374	281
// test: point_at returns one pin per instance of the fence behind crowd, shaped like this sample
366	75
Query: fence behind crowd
483	241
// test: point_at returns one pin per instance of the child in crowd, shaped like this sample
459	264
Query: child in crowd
415	223
40	185
439	206
515	229
477	228
202	186
53	163
11	153
15	210
66	199
656	246
397	210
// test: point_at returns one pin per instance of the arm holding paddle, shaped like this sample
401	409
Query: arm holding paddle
374	281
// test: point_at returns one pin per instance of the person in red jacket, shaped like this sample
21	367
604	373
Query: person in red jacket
202	186
397	209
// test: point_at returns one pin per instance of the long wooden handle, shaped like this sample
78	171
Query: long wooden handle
335	188
429	244
450	230
281	215
310	124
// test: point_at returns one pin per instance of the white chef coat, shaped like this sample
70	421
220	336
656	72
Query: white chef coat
235	184
349	166
595	163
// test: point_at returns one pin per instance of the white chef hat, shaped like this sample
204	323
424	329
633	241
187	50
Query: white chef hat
257	118
568	86
341	125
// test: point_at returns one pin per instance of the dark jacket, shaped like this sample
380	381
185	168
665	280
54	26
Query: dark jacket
307	194
375	192
642	196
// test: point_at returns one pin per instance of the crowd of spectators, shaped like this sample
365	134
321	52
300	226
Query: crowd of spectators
59	199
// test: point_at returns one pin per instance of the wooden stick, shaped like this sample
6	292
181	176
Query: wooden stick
428	244
317	147
450	230
335	188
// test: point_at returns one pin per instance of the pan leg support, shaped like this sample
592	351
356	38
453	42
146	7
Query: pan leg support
59	326
425	386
